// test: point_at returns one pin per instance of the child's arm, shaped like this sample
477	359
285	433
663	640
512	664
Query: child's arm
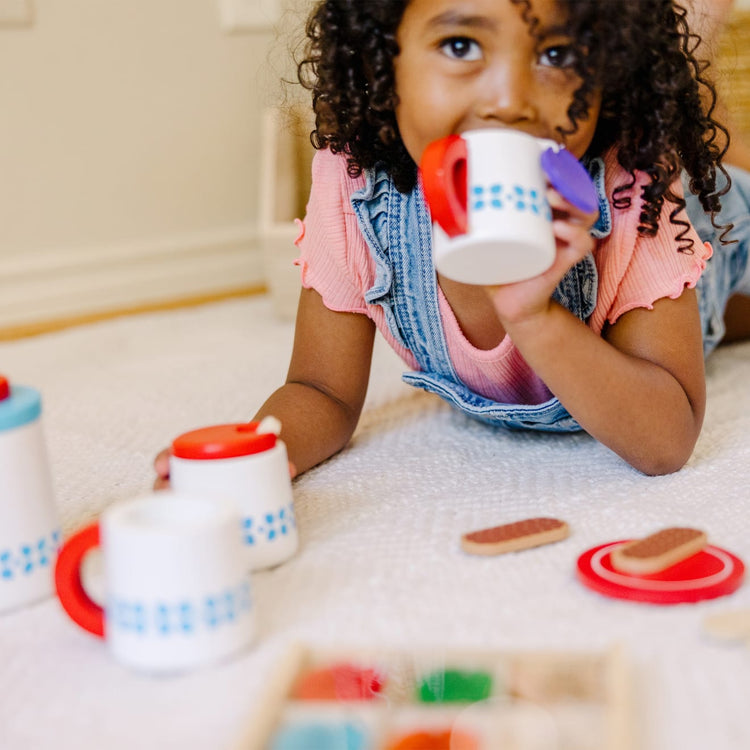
639	388
320	403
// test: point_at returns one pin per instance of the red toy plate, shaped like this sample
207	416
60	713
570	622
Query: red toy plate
711	573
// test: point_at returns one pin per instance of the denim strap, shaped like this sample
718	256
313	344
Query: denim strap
726	268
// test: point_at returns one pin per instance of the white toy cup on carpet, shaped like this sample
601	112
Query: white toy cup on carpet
177	589
29	528
249	463
486	190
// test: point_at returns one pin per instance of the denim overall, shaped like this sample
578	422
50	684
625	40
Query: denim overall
398	231
725	270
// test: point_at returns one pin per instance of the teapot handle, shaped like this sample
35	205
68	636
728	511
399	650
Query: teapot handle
443	168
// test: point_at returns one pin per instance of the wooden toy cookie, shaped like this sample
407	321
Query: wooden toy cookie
732	626
511	537
658	551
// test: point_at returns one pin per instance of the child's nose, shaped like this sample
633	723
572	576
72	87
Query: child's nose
505	96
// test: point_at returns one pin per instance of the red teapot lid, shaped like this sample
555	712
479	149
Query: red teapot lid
223	441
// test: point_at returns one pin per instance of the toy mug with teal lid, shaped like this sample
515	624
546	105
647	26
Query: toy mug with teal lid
247	462
29	527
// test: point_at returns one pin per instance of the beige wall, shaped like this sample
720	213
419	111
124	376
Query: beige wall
129	154
130	157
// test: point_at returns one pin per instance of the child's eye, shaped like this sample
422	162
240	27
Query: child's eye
461	48
559	56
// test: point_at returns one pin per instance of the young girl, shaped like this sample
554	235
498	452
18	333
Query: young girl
611	338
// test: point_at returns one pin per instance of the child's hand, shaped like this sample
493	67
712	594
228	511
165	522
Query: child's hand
524	300
161	465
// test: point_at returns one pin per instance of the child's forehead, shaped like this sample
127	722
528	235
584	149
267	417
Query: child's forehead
545	13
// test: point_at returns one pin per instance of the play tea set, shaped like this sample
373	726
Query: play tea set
177	575
178	564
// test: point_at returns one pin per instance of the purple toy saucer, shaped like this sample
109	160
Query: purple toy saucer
570	178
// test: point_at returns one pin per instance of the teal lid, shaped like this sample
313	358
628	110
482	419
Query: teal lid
19	405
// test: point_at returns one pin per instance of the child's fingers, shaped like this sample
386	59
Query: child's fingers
571	226
573	242
572	233
161	484
562	209
161	464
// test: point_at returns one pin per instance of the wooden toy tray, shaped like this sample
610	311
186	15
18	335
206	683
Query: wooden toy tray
445	700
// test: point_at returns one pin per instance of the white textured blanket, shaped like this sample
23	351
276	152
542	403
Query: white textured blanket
379	564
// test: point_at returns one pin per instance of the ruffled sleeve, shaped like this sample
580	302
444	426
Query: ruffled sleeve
333	256
636	271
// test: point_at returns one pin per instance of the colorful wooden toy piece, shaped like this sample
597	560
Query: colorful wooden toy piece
454	686
445	740
339	682
319	736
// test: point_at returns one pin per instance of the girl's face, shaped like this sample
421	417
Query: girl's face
470	64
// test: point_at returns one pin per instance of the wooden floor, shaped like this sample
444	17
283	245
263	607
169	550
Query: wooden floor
733	74
11	333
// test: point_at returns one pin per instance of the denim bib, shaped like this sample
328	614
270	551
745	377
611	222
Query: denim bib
398	231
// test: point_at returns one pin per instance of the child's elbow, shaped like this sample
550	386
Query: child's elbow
666	459
656	468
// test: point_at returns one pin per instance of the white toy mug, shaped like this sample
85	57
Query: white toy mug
29	527
177	588
486	190
238	461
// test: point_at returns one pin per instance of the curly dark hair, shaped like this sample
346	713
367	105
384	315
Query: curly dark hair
657	107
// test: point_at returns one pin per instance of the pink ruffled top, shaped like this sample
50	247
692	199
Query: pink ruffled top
634	271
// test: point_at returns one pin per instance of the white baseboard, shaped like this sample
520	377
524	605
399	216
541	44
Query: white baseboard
71	282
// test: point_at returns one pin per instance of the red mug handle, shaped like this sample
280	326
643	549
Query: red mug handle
81	608
444	178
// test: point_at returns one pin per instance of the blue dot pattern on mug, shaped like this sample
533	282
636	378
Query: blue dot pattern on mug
28	558
269	526
495	197
181	618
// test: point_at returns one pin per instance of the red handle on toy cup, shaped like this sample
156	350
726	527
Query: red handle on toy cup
444	177
81	608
